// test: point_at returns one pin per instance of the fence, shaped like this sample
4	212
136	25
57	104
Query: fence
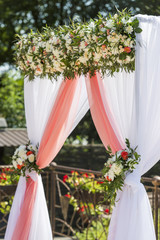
77	211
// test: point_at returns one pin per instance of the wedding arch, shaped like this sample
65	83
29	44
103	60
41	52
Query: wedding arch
123	105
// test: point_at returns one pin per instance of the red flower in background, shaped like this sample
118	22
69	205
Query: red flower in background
3	176
124	155
100	182
85	175
65	177
67	195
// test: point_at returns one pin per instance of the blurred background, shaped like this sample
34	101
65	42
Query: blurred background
19	17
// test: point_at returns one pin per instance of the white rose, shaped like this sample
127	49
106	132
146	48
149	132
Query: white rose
14	163
21	152
31	158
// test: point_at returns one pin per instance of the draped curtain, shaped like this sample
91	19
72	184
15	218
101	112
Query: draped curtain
123	106
53	109
131	106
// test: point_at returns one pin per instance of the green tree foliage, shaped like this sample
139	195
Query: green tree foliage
11	99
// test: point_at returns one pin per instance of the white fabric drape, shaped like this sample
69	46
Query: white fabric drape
134	102
40	96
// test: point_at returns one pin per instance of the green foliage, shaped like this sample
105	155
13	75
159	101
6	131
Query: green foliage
7	178
98	230
12	100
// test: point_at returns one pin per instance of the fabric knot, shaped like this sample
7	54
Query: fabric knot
133	180
32	175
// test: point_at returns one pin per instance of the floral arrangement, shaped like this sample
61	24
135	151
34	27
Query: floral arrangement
24	159
6	179
116	169
102	44
85	182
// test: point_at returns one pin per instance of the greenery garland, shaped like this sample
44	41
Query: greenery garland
102	44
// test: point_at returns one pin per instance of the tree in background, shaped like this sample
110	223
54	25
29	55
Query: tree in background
18	17
11	99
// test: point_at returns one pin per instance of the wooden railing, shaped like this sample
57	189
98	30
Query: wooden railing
65	220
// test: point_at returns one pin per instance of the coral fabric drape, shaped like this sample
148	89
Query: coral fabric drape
57	129
131	103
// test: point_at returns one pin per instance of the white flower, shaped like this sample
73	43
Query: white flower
115	51
128	59
48	47
115	16
21	152
38	71
109	161
14	164
82	45
110	23
129	29
32	147
19	161
56	53
103	29
124	20
91	25
22	147
116	168
130	20
97	56
111	174
82	59
31	158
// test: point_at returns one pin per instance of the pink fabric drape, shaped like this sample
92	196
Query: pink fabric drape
99	115
56	131
59	123
24	221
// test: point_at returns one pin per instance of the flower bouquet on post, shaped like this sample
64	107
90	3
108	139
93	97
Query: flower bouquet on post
24	159
116	169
